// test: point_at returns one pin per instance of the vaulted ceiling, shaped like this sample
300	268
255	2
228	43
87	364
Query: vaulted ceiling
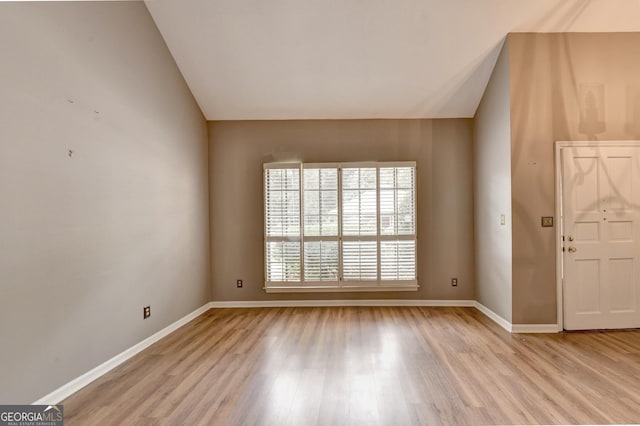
317	59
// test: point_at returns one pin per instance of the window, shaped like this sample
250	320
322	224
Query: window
340	227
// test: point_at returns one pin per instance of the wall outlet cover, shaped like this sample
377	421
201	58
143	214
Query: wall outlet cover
547	221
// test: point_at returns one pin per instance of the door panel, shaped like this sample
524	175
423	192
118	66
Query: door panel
588	273
586	189
587	231
622	288
601	225
621	231
620	175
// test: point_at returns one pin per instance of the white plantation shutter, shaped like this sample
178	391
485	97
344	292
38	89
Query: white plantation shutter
397	223
359	201
321	261
333	227
283	261
282	222
321	244
397	260
397	201
360	260
321	202
359	224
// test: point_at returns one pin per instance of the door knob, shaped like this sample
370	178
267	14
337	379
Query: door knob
570	238
572	249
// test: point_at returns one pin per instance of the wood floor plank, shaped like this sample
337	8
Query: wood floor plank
366	365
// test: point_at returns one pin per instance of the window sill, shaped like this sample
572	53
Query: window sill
410	286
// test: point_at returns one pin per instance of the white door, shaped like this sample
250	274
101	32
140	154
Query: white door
601	231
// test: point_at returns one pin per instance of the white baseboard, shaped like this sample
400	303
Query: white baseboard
535	328
493	316
342	302
511	328
75	385
517	328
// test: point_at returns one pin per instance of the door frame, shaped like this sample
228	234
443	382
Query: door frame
559	145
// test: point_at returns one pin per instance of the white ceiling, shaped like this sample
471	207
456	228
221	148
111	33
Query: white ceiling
294	59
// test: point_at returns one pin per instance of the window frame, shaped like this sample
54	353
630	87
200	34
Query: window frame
341	285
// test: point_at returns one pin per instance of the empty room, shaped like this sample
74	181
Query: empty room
234	212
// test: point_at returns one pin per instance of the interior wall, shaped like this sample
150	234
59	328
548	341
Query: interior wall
103	189
551	78
441	148
492	192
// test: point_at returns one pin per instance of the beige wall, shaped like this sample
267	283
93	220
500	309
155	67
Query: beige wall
547	71
87	241
492	192
442	149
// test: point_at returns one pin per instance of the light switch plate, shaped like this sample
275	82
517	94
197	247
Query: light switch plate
547	221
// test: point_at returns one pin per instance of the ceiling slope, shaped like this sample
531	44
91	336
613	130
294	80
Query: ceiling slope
338	59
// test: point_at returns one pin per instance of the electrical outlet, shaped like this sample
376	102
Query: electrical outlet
239	283
146	312
454	282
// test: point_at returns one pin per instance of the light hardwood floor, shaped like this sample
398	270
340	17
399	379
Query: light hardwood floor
366	365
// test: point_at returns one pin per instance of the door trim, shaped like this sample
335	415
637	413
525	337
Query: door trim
559	145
